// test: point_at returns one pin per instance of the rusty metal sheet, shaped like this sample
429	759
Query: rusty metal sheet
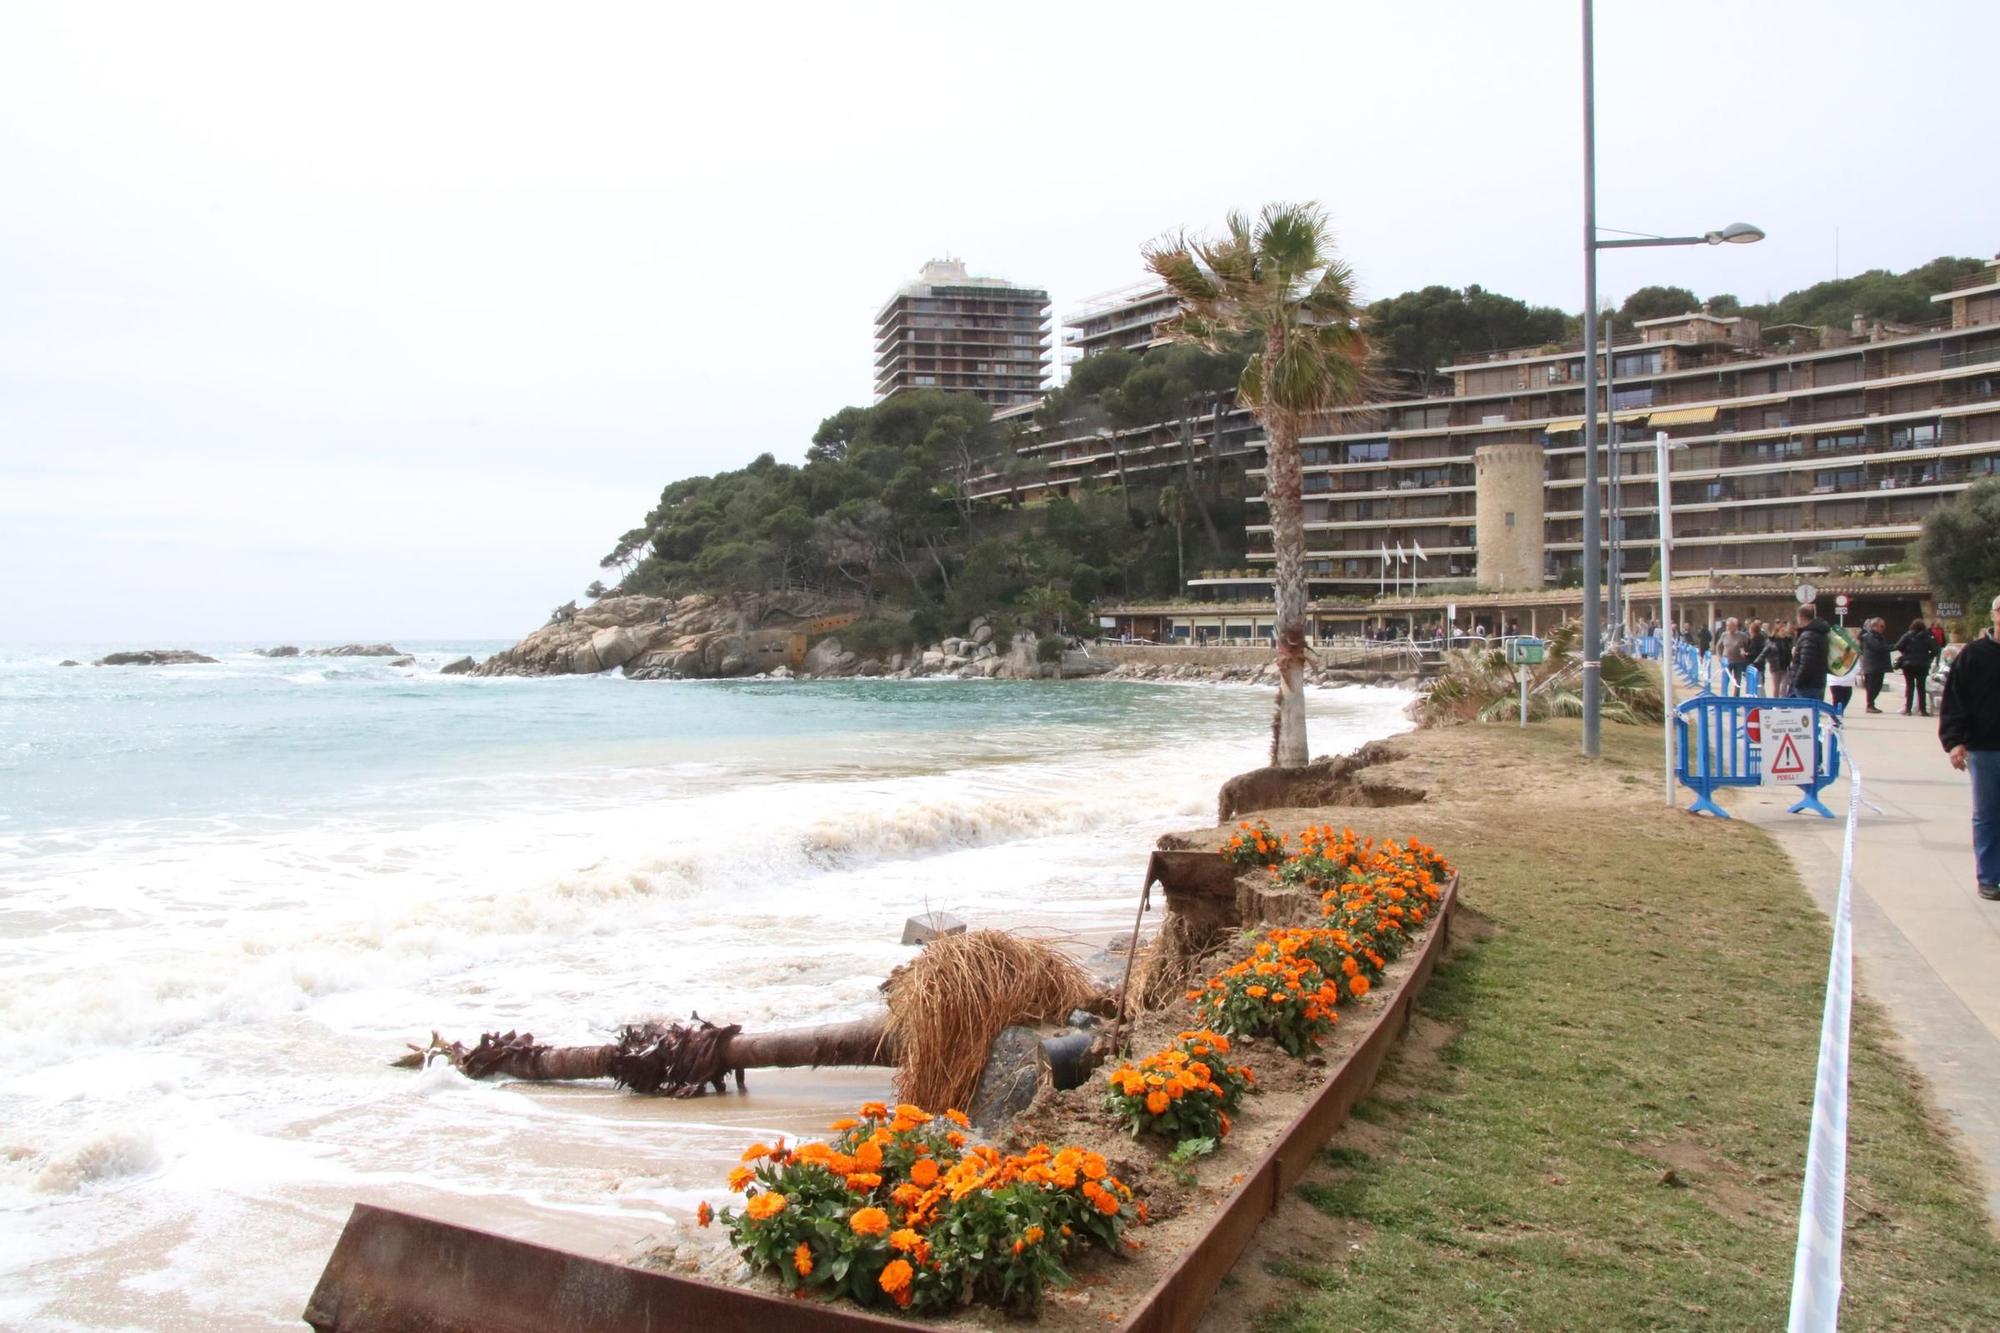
396	1271
1207	873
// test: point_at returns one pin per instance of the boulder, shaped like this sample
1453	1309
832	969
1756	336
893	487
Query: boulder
1016	1069
982	633
780	673
154	657
69	661
933	659
464	666
955	648
358	650
615	645
828	658
282	650
404	662
988	667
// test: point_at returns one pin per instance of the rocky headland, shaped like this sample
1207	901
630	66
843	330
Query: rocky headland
782	635
344	650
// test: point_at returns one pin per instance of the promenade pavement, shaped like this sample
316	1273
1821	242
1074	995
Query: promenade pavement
1926	946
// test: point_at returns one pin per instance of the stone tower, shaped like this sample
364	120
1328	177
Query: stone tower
1508	515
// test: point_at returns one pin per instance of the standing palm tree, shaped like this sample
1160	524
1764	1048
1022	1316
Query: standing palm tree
1277	278
1174	509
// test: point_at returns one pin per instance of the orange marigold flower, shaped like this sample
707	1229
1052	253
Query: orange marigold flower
868	1156
924	1172
905	1111
869	1222
1145	1218
767	1204
756	1151
704	1214
1094	1167
957	1117
1359	985
955	1139
863	1181
896	1278
741	1177
1255	992
1157	1102
874	1111
802	1259
843	1124
905	1240
1107	1203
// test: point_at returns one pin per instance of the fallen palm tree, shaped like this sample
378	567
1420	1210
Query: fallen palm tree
944	1009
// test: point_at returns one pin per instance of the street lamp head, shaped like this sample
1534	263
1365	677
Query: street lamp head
1736	233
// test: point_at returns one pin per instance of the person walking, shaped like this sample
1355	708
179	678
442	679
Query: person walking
1733	647
1809	654
1969	730
1874	659
1914	652
1776	663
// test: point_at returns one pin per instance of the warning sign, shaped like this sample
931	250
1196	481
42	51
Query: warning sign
1785	745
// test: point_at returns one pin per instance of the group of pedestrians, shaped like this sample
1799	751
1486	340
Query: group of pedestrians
1803	659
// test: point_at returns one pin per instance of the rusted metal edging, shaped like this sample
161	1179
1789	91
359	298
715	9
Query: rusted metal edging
396	1271
1176	1302
393	1270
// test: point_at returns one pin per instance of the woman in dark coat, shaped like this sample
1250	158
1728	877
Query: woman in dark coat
1874	659
1775	662
1914	652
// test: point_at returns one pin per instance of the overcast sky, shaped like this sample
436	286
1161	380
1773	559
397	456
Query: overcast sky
385	320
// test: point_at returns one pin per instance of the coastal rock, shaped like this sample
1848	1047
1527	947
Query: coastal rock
282	650
659	638
933	658
983	635
828	658
154	657
404	662
1016	1068
356	650
69	661
464	666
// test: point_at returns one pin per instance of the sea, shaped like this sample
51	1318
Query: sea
230	894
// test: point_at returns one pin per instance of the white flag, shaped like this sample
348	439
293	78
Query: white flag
1401	556
1419	550
1385	553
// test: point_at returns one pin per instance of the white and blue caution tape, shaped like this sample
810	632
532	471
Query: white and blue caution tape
1823	1202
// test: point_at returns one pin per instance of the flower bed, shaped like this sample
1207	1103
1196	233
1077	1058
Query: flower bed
899	1209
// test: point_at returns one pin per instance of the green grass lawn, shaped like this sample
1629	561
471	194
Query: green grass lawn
1612	1131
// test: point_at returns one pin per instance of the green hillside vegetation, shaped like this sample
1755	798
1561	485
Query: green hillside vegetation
880	509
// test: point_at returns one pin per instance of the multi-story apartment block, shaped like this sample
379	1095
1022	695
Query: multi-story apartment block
1794	449
947	330
1123	320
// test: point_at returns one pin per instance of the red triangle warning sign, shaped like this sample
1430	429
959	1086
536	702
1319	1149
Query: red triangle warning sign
1788	763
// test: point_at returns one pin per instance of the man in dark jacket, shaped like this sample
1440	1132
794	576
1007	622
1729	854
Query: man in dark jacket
1809	651
1915	650
1969	730
1874	660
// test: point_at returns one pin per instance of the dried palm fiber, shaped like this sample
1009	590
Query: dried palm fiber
948	1004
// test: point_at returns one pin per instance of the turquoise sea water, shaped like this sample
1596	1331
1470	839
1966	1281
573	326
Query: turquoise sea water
228	893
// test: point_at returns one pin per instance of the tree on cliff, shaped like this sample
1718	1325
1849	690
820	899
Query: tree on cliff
1419	331
1278	277
1960	547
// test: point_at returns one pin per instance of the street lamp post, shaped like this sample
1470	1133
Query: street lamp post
1663	463
1738	233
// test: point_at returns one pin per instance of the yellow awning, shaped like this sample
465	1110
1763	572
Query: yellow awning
1558	427
1684	416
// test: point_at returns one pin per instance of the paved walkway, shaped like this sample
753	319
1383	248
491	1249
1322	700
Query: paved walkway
1926	946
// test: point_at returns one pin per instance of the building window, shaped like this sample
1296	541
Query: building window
1371	451
1624	398
926	380
1636	363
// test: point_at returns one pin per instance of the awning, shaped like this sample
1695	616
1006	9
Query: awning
1684	416
1576	423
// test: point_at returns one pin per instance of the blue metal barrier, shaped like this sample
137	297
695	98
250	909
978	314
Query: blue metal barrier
1715	750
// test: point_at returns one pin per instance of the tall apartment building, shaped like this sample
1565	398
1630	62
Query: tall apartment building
950	331
1123	320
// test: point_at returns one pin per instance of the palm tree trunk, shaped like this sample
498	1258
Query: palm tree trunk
1282	487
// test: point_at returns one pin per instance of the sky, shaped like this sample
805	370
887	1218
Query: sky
381	321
